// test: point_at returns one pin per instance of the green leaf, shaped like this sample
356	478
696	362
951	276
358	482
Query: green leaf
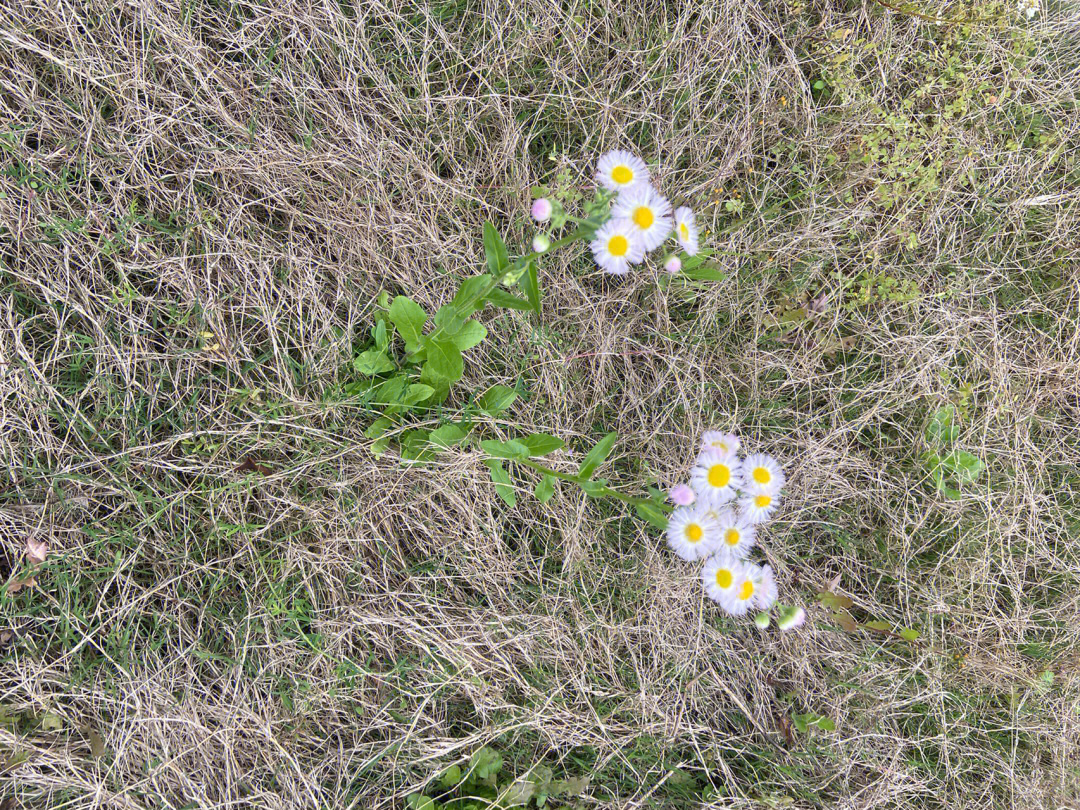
594	489
967	466
942	429
448	435
391	391
597	455
501	298
530	285
409	318
540	444
496	400
826	724
373	361
378	427
470	288
495	250
417	392
451	776
834	600
512	449
704	273
909	634
444	360
449	319
378	332
378	447
877	624
653	514
469	335
416	447
545	489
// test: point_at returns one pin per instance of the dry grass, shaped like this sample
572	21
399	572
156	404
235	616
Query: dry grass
181	176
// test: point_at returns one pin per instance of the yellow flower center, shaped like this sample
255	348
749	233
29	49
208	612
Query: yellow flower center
622	175
761	501
719	475
643	217
747	590
684	232
723	578
732	537
618	245
694	533
761	475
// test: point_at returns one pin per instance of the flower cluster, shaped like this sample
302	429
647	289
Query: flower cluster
1029	8
717	518
641	218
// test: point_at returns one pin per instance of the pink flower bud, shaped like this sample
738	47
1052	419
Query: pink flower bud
541	209
682	495
673	265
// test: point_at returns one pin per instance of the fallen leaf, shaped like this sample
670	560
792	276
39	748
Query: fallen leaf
51	722
18	584
844	619
834	600
251	465
784	724
97	745
5	637
36	551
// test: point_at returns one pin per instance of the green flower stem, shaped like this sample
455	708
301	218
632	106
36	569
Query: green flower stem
574	479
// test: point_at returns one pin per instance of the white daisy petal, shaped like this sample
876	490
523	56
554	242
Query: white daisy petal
616	246
716	476
743	594
765	589
686	231
618	170
763	472
737	534
648	210
692	533
757	505
719	575
717	440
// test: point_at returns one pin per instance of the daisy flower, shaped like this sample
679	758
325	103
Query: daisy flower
763	472
720	574
765	588
743	594
686	232
618	170
716	476
649	211
737	534
757	505
617	246
724	442
691	533
790	618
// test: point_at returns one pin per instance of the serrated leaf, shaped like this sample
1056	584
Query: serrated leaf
501	298
845	620
530	285
653	514
545	489
409	319
495	250
444	362
540	444
834	600
496	400
596	456
448	435
470	334
512	449
373	361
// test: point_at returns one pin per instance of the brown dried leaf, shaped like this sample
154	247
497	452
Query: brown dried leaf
845	620
249	464
36	551
835	600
